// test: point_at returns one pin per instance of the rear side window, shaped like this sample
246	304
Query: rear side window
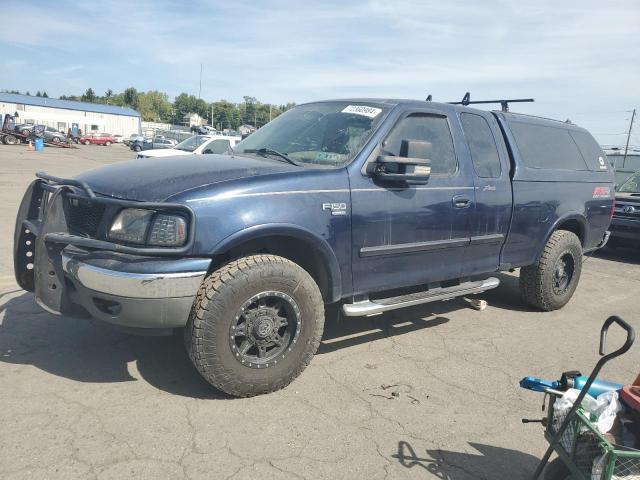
546	147
590	150
430	128
482	145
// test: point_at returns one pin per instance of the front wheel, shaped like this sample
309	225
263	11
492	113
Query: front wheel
255	325
550	283
137	148
107	143
87	142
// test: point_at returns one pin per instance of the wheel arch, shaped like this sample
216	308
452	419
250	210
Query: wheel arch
293	242
572	222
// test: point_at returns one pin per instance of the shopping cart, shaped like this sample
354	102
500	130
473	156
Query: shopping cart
584	453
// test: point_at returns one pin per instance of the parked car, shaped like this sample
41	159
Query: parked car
196	145
49	134
377	204
24	128
152	144
625	225
624	165
97	139
132	138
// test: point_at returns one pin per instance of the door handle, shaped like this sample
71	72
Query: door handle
461	201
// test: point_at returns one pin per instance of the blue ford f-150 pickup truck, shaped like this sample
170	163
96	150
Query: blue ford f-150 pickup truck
377	204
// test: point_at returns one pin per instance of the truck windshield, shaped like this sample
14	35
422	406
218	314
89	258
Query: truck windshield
318	134
632	185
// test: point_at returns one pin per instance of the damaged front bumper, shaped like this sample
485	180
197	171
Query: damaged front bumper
79	276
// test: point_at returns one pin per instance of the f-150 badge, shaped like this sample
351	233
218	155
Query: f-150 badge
335	208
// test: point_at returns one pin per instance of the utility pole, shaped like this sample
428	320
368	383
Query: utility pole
270	112
200	89
626	148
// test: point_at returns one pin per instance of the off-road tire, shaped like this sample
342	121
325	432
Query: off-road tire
137	148
222	295
536	281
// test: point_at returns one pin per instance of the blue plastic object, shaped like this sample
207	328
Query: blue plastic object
597	387
39	144
538	384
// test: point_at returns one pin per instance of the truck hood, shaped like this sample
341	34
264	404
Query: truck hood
156	179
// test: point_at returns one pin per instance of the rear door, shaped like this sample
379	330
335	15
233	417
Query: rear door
493	200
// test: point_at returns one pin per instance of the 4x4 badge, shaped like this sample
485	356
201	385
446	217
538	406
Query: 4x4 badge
335	208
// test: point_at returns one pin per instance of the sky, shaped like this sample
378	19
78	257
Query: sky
579	59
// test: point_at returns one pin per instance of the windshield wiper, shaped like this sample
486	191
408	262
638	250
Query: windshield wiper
270	151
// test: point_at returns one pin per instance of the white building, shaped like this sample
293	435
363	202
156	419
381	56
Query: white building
193	120
67	114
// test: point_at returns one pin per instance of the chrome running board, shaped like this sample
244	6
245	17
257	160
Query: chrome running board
374	307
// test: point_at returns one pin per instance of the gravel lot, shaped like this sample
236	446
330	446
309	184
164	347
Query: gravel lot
430	392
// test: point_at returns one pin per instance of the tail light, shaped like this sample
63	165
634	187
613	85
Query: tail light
613	207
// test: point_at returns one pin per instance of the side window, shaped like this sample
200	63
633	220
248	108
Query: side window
482	145
591	151
430	128
218	147
547	147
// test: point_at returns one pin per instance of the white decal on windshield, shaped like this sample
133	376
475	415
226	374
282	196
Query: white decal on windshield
364	110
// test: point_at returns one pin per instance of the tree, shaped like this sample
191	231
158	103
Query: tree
131	97
44	94
154	106
88	96
108	95
185	104
38	94
225	115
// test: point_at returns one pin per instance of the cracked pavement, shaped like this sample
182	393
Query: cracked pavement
421	393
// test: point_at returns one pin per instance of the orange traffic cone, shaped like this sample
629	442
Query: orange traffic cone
30	146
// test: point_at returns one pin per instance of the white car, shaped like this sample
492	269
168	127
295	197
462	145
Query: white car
196	145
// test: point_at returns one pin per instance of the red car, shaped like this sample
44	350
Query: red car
97	139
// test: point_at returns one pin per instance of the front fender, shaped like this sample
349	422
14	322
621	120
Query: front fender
293	231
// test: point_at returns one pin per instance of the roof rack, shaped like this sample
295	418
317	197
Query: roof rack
466	100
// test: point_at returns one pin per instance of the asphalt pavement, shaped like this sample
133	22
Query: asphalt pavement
422	393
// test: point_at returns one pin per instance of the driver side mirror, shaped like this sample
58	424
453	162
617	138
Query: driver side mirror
412	167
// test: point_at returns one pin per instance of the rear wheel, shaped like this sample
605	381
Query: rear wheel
55	139
137	148
87	142
550	283
255	325
107	143
10	140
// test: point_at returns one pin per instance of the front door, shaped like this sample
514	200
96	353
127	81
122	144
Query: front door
413	234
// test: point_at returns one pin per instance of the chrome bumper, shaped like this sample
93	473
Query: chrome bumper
154	294
133	285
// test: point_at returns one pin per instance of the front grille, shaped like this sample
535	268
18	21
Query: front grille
83	217
627	210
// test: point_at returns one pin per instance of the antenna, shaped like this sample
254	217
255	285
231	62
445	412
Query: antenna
466	100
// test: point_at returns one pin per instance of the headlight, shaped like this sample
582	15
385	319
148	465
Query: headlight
135	225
